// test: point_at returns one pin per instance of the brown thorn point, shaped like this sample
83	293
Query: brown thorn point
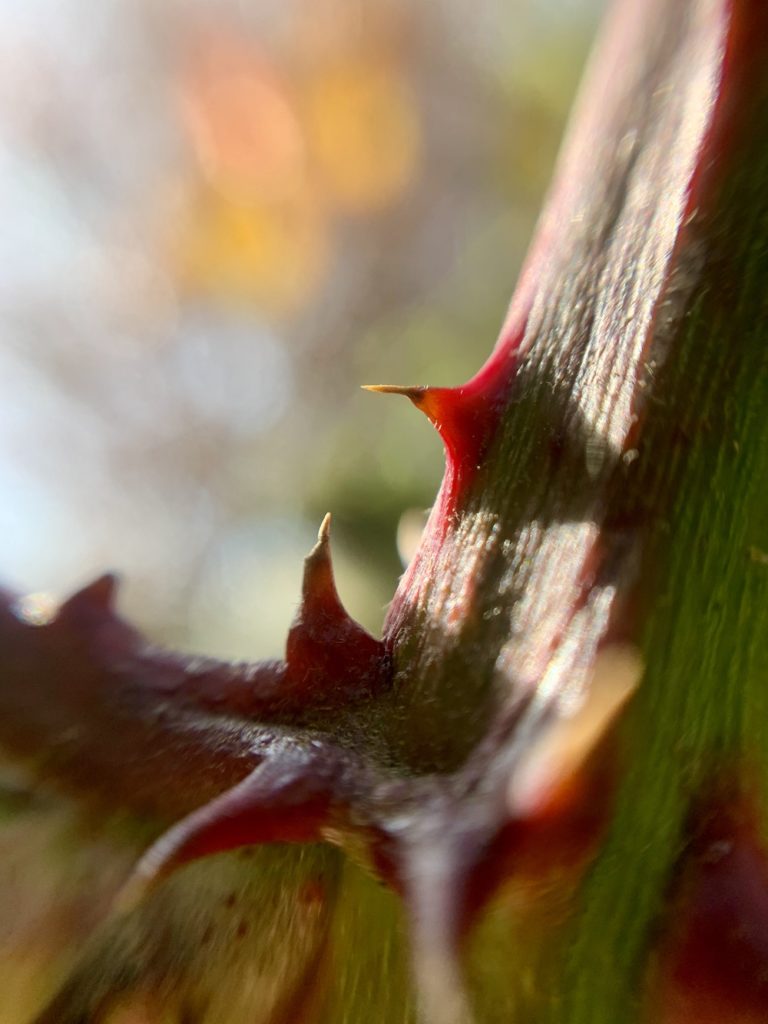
98	595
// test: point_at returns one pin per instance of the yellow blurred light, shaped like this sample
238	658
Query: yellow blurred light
245	249
363	133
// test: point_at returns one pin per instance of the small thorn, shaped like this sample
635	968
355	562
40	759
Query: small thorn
425	398
464	418
318	584
411	391
98	595
326	649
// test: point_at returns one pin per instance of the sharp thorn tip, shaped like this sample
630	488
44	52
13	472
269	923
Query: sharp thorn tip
319	558
324	532
412	391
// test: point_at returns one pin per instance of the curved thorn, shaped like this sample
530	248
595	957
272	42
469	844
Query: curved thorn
287	798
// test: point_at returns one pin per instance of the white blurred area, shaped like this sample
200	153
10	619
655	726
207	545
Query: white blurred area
218	218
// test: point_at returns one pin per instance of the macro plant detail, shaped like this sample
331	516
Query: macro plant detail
555	754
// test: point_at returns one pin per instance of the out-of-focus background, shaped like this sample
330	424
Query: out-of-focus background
218	219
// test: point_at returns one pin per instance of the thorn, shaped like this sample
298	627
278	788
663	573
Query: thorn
318	585
287	798
98	595
394	389
326	649
439	405
425	398
463	416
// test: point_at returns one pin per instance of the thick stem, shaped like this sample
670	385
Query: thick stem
627	473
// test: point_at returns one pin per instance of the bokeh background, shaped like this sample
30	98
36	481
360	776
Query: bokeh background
220	217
